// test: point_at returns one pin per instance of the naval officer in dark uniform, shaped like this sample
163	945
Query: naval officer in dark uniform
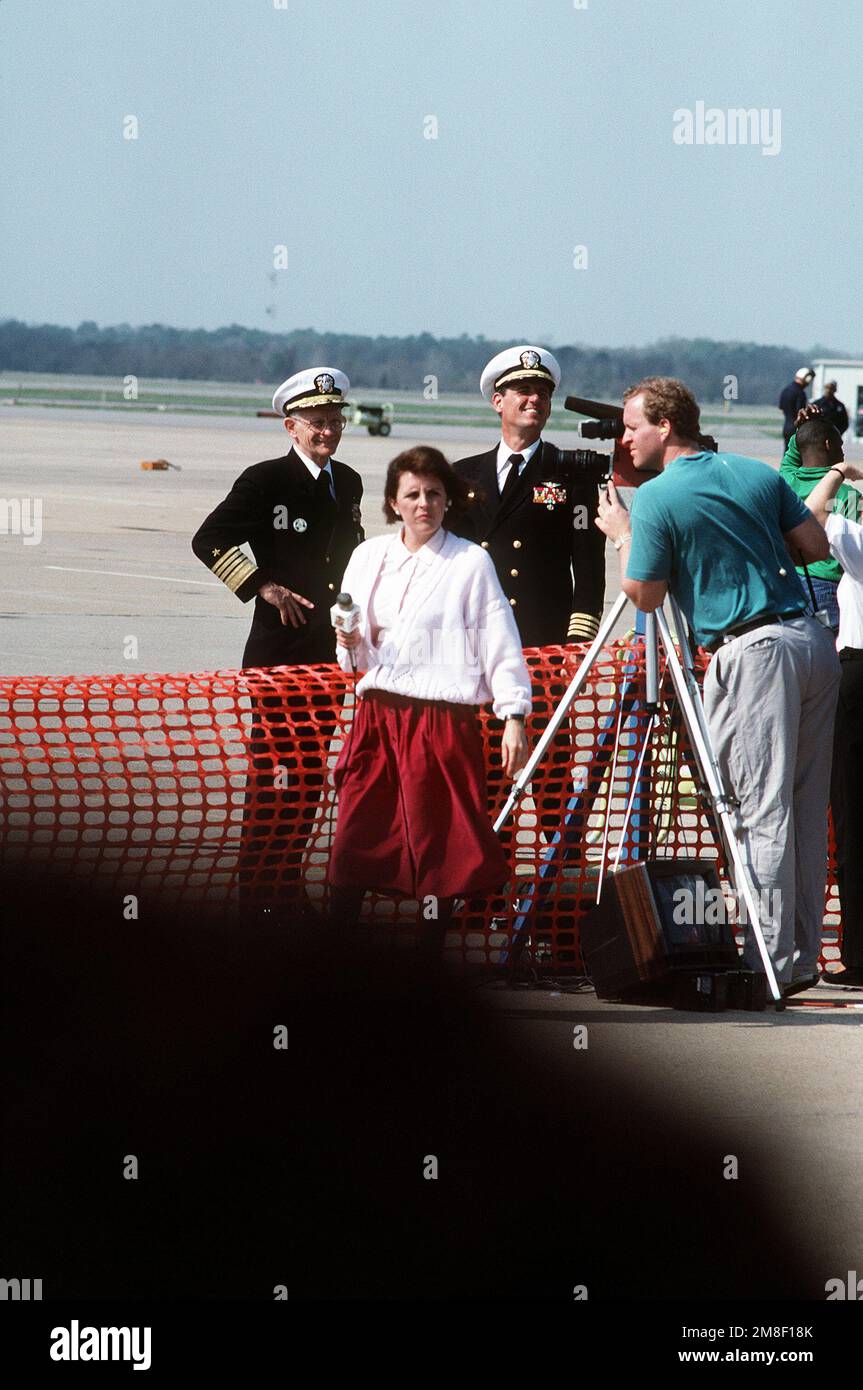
532	510
300	516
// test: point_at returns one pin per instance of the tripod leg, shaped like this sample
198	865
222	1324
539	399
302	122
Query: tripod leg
570	832
563	708
696	723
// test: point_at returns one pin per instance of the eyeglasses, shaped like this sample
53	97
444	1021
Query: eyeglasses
333	422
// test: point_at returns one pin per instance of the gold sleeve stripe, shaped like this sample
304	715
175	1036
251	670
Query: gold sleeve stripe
240	575
583	627
226	567
228	559
234	568
235	577
229	576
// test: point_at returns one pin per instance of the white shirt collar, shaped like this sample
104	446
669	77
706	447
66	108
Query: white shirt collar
313	467
504	454
398	553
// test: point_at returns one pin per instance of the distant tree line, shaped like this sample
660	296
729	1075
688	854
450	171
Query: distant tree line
749	372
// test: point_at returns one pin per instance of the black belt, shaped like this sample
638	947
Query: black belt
763	620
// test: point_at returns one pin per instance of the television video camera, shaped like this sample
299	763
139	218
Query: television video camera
606	422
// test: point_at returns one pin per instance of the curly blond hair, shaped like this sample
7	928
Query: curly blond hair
666	398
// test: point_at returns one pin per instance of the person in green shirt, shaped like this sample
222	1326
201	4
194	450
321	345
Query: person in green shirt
801	471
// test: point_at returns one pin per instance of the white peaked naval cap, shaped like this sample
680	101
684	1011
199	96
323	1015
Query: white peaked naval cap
519	364
314	386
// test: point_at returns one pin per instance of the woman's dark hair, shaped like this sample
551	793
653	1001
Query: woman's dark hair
425	462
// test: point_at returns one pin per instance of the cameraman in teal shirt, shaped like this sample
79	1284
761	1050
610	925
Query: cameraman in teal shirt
722	534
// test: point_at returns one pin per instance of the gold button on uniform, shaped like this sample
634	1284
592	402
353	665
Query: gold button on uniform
513	602
484	545
331	586
516	545
514	574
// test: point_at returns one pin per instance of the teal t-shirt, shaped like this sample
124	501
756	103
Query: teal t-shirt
712	526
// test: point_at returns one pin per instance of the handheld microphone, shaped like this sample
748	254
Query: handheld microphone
345	617
345	614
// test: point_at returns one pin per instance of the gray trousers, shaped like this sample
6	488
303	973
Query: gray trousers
770	701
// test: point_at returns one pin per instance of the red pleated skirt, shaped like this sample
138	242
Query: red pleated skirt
412	813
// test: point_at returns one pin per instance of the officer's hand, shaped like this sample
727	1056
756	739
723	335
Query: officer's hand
513	747
288	603
348	639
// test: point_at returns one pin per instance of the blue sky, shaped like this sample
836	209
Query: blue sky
304	126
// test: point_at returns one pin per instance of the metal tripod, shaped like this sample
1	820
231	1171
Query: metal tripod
689	697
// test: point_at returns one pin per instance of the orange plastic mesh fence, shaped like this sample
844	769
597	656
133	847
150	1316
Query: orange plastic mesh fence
217	787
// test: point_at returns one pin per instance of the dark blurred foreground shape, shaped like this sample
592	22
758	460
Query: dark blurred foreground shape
304	1167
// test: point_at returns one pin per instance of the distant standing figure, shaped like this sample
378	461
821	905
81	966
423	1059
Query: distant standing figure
832	408
793	398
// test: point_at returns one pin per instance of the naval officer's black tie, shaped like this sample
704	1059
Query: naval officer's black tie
515	461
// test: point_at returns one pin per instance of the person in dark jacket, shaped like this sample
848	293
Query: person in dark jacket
531	509
793	399
832	408
300	517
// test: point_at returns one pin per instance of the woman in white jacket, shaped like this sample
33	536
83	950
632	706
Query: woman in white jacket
436	639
